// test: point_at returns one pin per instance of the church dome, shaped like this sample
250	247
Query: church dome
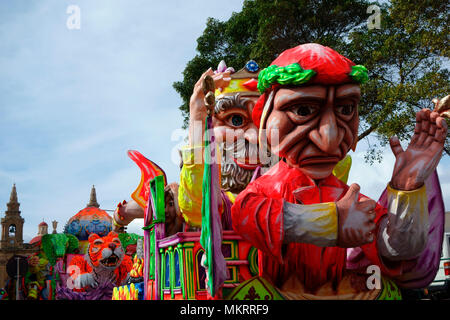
89	220
42	224
36	240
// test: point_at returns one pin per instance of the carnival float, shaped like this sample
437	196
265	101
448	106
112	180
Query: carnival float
293	228
262	210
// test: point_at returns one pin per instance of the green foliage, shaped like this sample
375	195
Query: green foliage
263	29
57	245
407	58
129	238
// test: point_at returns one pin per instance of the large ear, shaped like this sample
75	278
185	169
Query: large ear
112	234
93	237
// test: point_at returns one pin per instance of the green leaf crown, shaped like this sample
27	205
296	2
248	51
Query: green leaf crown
294	74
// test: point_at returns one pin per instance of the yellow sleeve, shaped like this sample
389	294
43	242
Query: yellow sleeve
314	223
191	181
404	234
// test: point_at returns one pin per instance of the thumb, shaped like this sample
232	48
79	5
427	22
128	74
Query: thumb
395	146
353	192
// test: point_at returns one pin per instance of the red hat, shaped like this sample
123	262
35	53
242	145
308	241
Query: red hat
309	63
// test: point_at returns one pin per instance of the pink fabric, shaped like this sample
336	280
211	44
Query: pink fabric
419	272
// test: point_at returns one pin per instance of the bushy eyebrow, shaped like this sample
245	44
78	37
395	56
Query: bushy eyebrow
231	102
319	94
349	92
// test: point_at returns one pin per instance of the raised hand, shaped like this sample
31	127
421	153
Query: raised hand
197	108
125	213
414	165
355	219
197	105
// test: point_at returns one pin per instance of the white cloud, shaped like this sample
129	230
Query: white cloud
73	102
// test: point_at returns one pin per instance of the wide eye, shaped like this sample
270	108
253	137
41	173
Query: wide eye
304	110
236	120
95	249
98	242
345	109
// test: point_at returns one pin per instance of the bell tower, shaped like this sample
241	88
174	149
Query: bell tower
12	224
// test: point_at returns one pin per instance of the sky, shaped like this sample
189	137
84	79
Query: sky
73	101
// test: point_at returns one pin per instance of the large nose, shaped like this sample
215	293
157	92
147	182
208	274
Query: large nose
251	134
112	246
326	135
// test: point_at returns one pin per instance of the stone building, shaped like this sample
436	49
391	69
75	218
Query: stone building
11	242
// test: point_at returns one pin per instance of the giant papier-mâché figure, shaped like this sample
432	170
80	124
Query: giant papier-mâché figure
235	133
105	262
317	236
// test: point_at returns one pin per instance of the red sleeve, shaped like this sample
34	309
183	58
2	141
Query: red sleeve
258	218
123	270
371	251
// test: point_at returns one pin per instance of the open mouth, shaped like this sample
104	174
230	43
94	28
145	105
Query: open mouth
111	261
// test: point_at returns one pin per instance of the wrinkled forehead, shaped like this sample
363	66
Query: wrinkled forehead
238	101
316	92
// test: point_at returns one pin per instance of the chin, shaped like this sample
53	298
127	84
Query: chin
317	173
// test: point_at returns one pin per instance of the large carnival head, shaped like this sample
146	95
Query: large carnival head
234	127
308	110
105	252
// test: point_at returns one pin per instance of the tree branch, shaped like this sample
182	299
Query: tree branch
366	133
447	151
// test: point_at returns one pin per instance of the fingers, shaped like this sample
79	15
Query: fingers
209	72
396	147
417	128
353	192
424	115
432	130
441	130
198	85
367	205
222	80
430	127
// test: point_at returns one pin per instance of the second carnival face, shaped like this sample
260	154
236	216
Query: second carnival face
235	130
238	140
316	126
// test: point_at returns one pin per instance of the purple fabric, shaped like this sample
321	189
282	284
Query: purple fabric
220	270
102	292
226	215
419	272
256	174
